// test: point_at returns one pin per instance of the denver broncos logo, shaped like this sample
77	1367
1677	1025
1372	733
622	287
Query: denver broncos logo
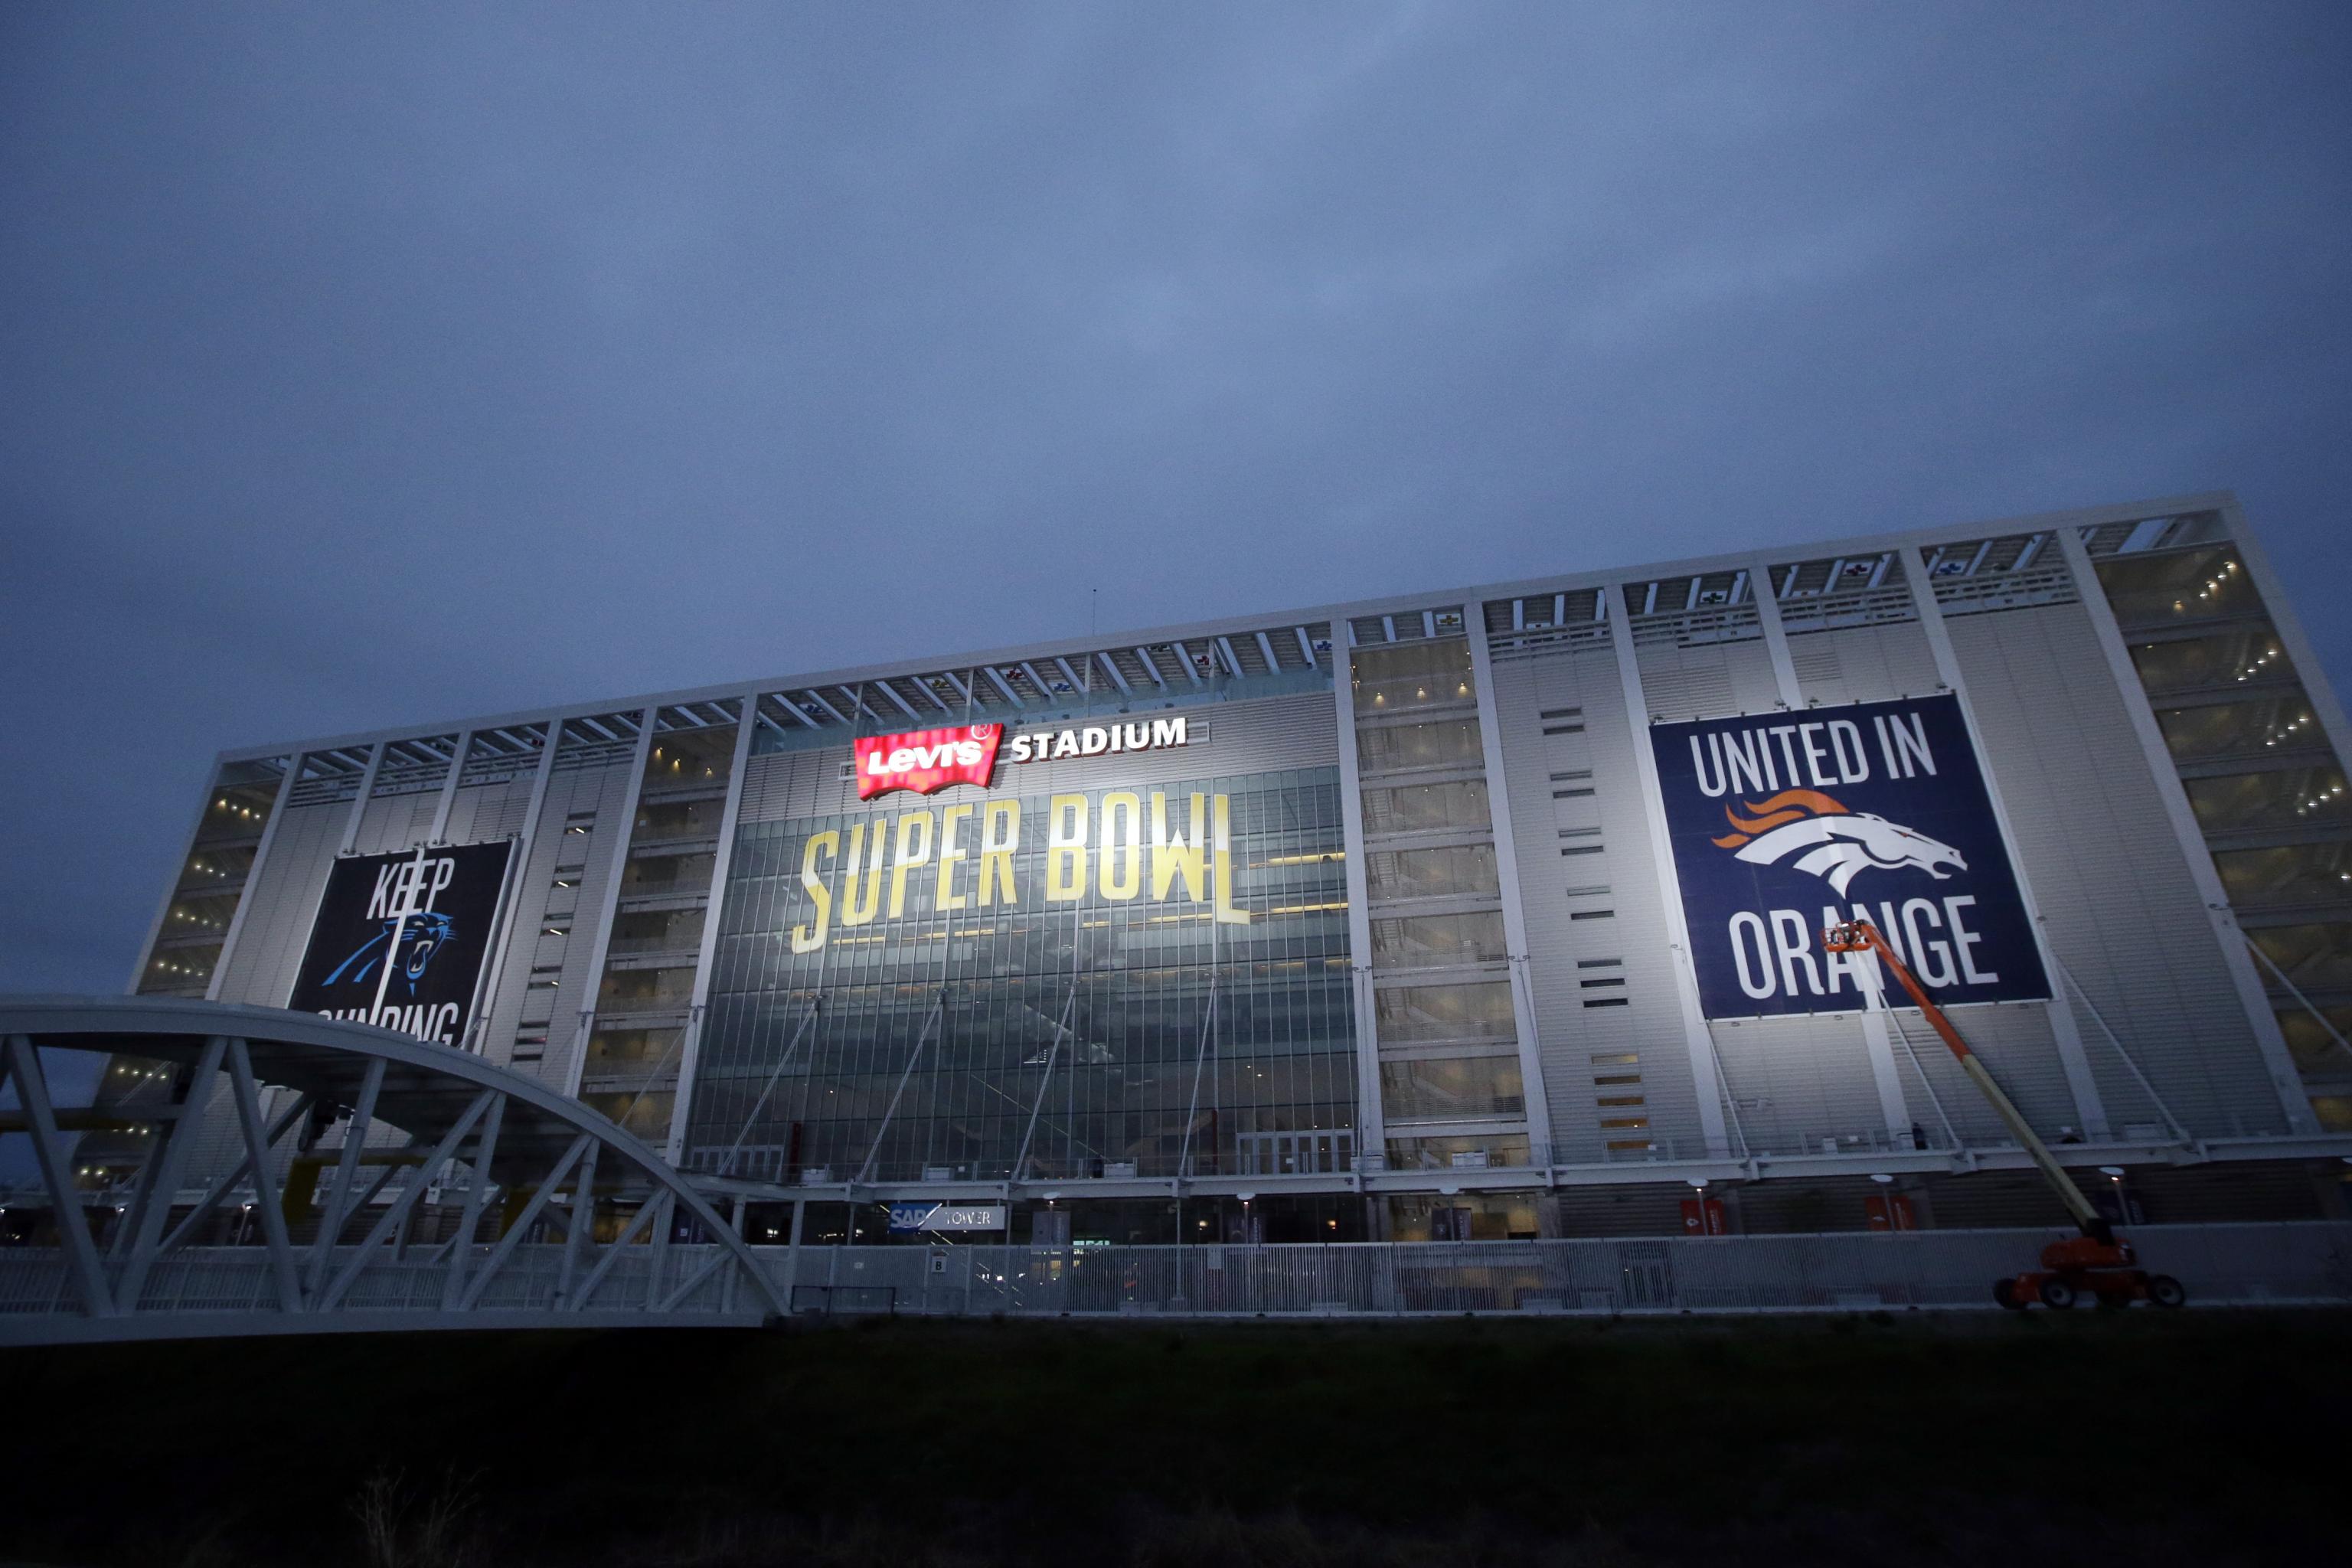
1830	841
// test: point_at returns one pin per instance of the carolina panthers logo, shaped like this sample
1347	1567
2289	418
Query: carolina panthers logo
416	938
1831	842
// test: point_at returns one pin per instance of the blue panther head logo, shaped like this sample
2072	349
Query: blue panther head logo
415	939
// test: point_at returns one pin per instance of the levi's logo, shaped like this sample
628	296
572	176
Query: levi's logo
927	760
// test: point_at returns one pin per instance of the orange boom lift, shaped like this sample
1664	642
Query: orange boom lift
2092	1264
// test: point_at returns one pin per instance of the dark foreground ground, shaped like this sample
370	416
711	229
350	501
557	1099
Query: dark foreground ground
2206	1437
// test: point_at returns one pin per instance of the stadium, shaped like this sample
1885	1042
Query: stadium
1483	914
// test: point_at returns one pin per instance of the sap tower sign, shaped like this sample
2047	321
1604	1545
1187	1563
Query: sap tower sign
1785	822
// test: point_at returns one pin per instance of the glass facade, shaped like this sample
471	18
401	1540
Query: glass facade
203	901
2262	781
1451	1089
957	987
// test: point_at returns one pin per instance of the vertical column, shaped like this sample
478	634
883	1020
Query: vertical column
1534	1095
1877	1043
2064	1027
1372	1133
1776	636
439	832
690	1055
2277	1060
359	801
1707	1088
602	940
503	938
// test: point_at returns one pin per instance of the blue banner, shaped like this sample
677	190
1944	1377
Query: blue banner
1785	822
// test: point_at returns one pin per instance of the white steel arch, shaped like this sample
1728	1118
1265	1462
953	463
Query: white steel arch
469	1128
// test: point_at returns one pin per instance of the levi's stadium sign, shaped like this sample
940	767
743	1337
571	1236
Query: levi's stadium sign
928	760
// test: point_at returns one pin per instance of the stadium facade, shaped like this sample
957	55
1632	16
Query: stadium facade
1485	912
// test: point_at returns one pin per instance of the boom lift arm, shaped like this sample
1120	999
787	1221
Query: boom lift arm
2093	1263
1861	936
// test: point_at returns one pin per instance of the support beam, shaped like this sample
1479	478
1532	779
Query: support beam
347	1166
461	1245
1060	1027
583	1221
792	1048
396	1217
614	1253
257	1152
236	1172
73	1224
523	1224
160	1177
938	1008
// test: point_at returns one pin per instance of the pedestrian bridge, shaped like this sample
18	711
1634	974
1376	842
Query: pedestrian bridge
326	1240
333	1215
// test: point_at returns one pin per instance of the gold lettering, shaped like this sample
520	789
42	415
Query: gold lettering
804	939
1121	873
1065	848
951	852
905	859
852	913
1226	913
999	836
1172	857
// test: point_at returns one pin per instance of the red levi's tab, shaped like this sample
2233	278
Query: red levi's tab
927	760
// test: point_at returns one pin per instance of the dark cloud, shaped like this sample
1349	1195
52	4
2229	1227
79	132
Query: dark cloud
363	366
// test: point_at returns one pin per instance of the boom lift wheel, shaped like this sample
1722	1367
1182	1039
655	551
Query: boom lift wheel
2057	1295
2163	1290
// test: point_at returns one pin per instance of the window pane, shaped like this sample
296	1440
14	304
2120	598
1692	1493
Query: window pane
2181	585
1392	748
1439	1154
1456	870
2314	1048
2248	656
667	875
1426	941
2291	874
658	931
688	759
1458	1087
2316	957
1412	674
2260	726
1408	1013
2290	797
1425	808
658	820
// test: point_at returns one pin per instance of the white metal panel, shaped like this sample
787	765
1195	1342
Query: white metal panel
2119	900
1651	1023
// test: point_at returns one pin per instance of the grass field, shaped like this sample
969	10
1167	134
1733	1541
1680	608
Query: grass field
2201	1438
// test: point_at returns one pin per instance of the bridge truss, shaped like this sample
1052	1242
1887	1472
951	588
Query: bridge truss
329	1223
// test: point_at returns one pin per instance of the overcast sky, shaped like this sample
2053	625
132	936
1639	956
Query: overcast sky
369	366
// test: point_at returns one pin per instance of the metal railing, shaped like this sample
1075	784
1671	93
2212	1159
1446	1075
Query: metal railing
2246	1265
2302	1263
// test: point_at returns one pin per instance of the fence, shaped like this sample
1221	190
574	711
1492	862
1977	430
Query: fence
2307	1263
2253	1264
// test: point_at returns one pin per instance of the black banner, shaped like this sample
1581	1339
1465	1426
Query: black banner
432	911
